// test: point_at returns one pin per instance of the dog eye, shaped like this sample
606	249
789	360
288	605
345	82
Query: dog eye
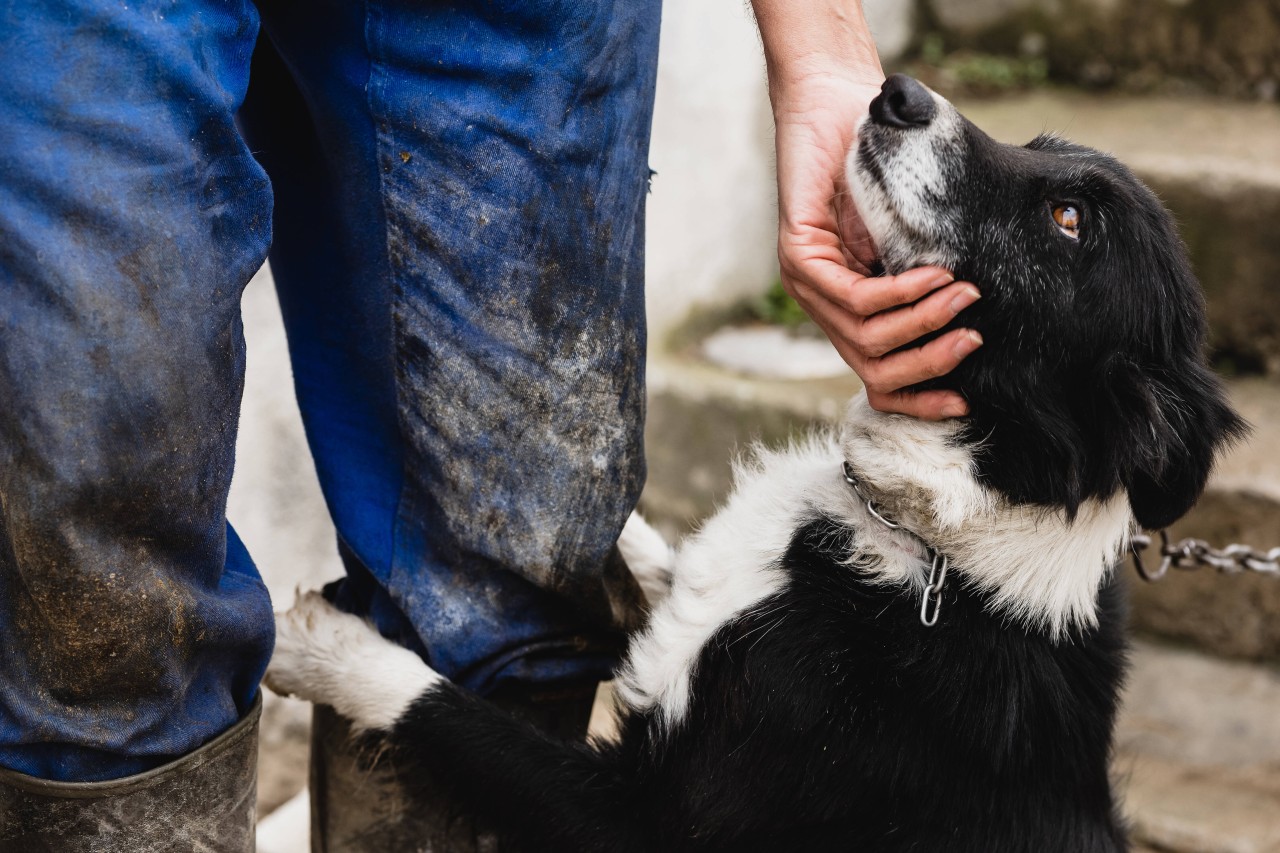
1068	218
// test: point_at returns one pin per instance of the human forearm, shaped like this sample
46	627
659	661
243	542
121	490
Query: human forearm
807	38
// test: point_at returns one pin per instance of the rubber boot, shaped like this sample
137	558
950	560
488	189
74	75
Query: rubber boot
204	801
358	804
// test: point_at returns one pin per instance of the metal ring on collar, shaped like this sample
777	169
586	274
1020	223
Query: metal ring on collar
852	480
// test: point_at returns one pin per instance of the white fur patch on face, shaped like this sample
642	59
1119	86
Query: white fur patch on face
648	556
1038	567
732	565
333	658
905	215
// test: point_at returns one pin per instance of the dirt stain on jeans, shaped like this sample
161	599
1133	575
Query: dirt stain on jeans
96	634
146	267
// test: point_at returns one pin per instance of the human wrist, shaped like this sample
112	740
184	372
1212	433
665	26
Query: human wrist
827	45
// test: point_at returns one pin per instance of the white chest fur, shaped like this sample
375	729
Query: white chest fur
1037	567
732	565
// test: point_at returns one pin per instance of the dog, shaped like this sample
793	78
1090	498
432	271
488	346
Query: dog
902	635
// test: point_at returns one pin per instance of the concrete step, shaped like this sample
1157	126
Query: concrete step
1137	45
1231	615
1216	164
1198	753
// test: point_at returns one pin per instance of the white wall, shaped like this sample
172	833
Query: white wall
711	220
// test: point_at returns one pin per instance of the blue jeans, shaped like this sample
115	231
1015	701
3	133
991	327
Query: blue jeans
453	200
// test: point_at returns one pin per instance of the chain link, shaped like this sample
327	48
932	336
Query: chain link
933	592
931	601
1192	553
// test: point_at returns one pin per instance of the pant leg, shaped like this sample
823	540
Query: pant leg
133	625
460	199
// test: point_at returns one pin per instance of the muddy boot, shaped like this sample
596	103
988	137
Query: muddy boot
204	801
358	804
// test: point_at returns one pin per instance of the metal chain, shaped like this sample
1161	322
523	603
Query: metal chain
938	561
933	592
1193	553
1189	553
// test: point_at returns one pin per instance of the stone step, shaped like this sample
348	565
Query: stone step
701	416
1137	45
1216	163
1232	615
1198	753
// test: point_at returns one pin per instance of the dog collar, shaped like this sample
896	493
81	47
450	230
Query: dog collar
931	601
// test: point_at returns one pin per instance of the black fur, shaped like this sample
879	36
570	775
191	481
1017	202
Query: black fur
827	717
1092	375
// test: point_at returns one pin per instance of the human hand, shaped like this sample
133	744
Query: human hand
824	253
823	249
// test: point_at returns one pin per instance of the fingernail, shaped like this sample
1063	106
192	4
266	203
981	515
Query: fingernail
968	342
955	410
945	278
964	299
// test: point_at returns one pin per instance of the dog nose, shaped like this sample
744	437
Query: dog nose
903	102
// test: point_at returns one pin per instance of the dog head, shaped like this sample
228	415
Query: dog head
1092	377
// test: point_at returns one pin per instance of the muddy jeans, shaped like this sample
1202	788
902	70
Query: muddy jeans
457	194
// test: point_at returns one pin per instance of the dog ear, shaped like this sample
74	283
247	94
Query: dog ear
1177	426
1174	415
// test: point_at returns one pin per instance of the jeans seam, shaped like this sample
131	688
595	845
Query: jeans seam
377	119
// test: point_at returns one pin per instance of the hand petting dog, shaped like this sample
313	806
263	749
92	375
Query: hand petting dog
823	72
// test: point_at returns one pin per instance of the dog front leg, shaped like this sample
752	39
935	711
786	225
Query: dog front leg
548	794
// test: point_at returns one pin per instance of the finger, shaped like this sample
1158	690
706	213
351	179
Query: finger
934	359
822	272
842	328
872	295
889	330
926	405
811	292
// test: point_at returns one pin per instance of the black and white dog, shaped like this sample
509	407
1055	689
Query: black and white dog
785	694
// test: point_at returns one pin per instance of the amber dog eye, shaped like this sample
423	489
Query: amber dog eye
1068	219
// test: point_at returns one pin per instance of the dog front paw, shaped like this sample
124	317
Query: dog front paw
333	658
